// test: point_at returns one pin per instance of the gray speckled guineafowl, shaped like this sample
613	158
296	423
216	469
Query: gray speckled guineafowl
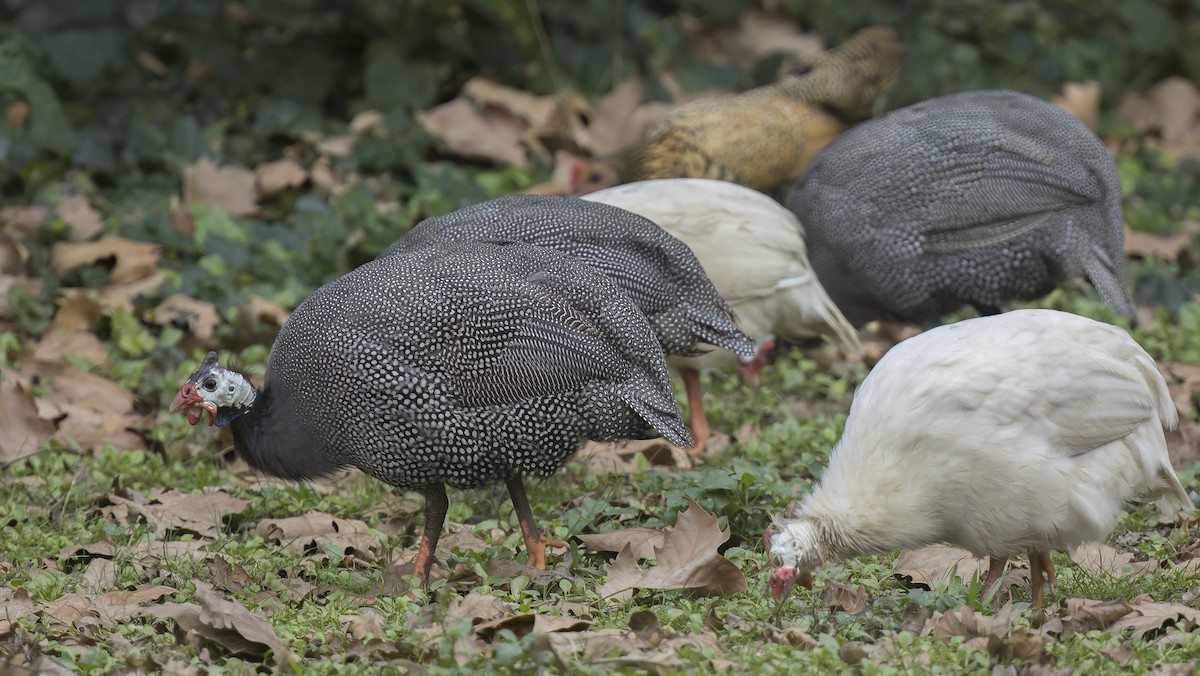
658	271
456	364
978	198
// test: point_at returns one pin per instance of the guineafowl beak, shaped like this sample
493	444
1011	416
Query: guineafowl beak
193	405
783	579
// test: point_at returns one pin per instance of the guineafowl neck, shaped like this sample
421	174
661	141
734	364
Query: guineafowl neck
865	514
277	437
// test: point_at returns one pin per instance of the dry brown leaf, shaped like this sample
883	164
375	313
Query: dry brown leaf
1121	654
620	119
100	574
844	597
963	622
476	608
14	604
77	310
231	189
153	551
756	33
687	559
275	177
231	577
1140	244
938	563
365	626
23	220
132	260
645	624
1022	644
537	112
318	529
642	541
104	610
227	623
792	636
472	133
523	625
571	648
55	345
337	146
1101	560
23	431
1151	616
122	295
370	122
1084	615
619	458
1080	99
80	217
200	513
1172	109
200	317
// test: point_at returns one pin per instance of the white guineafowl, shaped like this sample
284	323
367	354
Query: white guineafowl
753	251
1022	432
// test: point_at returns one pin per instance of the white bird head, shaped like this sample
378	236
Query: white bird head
794	555
224	394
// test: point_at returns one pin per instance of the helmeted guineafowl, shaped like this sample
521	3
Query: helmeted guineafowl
978	198
458	364
658	271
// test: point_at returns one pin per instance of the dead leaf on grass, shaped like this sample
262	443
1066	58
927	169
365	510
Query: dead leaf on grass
641	541
523	625
232	189
14	604
132	260
755	34
75	611
83	220
1081	100
1172	109
687	559
475	133
199	317
100	574
231	577
1151	617
620	457
792	636
23	432
317	530
963	622
366	626
844	597
1084	615
1101	560
276	177
938	563
55	345
24	220
226	623
1140	244
172	511
77	310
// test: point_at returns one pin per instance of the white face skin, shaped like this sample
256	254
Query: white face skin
793	556
212	388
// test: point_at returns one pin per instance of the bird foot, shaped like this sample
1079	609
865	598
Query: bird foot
537	551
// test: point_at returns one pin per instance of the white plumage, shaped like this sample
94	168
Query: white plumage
1022	432
753	250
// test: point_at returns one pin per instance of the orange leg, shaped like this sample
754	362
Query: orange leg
436	505
535	544
1048	567
695	397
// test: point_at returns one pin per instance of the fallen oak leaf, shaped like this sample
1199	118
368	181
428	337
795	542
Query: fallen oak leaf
845	597
642	541
1153	616
275	177
316	529
687	559
1099	559
231	189
926	566
226	623
23	431
523	625
1084	615
132	260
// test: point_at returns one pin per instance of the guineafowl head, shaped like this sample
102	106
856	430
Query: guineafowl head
224	394
595	174
794	555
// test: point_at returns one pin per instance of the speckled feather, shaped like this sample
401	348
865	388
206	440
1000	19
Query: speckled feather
459	363
978	198
658	271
